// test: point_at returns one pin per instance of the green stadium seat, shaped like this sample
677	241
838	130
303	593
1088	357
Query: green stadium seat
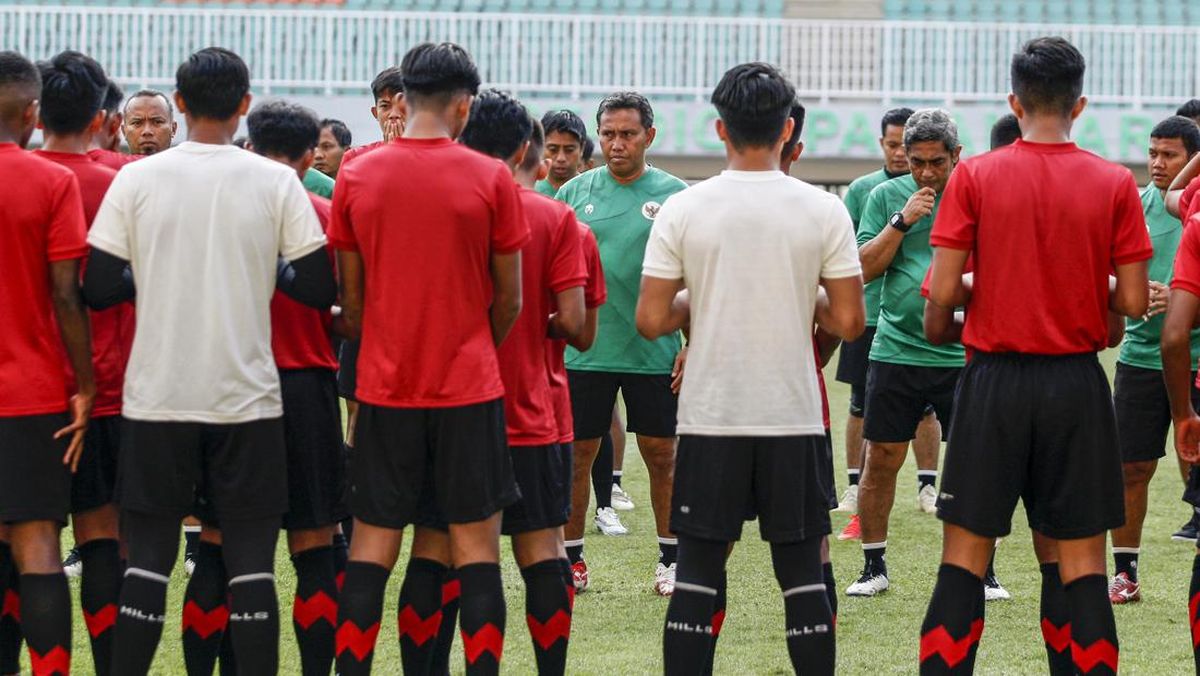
749	8
1056	12
937	10
773	8
725	7
1011	12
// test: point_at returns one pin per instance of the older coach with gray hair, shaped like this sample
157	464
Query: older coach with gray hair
907	374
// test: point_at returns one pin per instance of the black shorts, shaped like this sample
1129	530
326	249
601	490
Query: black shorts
830	482
650	405
1143	412
35	485
1040	429
898	396
347	375
220	473
316	463
722	482
852	362
431	466
544	477
95	481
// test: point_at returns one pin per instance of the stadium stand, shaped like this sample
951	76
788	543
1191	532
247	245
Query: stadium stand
1096	12
720	8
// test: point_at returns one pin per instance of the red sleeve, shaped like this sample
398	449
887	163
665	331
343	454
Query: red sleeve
66	231
1187	260
925	283
1188	199
567	269
954	227
510	231
595	292
1131	239
341	231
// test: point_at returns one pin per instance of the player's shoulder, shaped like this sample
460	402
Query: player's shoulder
901	186
867	182
1150	195
43	167
582	183
661	181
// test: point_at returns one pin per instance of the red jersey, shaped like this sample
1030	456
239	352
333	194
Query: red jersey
1188	205
358	152
1187	264
299	333
112	329
111	158
1046	224
41	223
426	325
595	293
551	262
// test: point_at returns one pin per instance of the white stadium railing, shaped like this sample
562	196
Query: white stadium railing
334	51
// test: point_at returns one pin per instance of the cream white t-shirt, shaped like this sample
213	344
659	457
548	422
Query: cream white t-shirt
751	248
203	227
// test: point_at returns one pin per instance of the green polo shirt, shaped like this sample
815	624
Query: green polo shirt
900	336
318	184
620	216
1141	345
543	186
856	201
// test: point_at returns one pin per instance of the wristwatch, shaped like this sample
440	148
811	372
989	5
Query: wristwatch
897	222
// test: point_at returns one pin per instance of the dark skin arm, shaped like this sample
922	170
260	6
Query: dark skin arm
587	337
75	330
1177	371
1131	295
570	319
350	273
942	325
506	294
827	344
1116	329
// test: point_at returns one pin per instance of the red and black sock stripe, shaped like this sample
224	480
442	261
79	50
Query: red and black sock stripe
1094	647
548	615
314	609
205	610
419	615
1056	622
98	594
482	615
360	607
953	624
46	623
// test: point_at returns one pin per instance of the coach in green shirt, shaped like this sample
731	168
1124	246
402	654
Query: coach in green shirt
1139	394
620	201
907	373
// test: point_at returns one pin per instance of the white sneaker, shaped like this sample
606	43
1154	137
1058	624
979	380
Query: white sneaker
189	566
927	500
609	523
869	584
993	590
621	499
849	501
73	565
664	580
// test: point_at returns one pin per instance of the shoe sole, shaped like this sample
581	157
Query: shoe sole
865	595
628	508
1180	538
612	535
1125	599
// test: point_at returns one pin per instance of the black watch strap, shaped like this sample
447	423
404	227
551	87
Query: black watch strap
897	222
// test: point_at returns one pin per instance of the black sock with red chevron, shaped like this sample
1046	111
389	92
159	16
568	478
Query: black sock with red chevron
953	624
688	629
205	610
718	620
1056	622
568	580
482	616
46	623
451	591
341	555
1194	611
10	613
98	592
548	615
314	609
419	614
1094	647
360	607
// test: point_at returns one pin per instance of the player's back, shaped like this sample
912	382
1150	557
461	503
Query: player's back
551	261
41	222
1047	222
299	333
753	247
203	226
426	215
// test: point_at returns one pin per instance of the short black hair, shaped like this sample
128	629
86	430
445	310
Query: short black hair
1190	109
1007	130
341	133
113	96
20	85
537	146
589	149
896	117
1047	75
439	71
1181	127
240	142
387	83
797	114
498	126
73	88
566	122
153	93
754	101
282	128
627	101
213	82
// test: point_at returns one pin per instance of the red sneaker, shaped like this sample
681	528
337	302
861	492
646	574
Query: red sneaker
852	531
1123	590
579	574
